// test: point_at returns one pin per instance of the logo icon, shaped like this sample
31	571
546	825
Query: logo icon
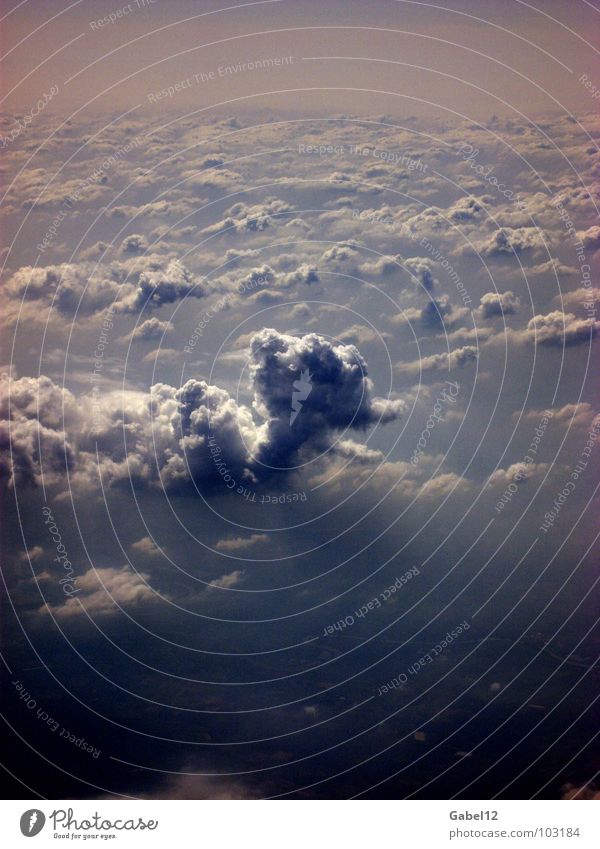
302	389
32	822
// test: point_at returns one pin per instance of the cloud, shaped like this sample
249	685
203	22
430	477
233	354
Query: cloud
357	452
169	355
32	554
440	312
569	415
589	791
32	429
361	334
161	286
383	266
203	787
242	219
341	255
509	240
134	244
497	304
559	328
146	546
103	591
340	393
86	288
227	581
197	433
304	274
590	238
585	297
69	287
151	329
458	358
422	269
219	179
467	209
241	543
443	484
516	473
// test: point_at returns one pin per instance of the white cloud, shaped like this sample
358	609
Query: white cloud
103	591
234	544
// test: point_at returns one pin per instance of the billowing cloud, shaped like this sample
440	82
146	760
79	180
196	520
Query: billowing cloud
69	287
197	433
161	286
509	240
337	394
85	288
497	304
32	411
559	328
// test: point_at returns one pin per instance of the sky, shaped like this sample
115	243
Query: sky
297	406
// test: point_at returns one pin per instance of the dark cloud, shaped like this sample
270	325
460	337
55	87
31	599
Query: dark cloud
173	436
134	244
339	393
161	286
436	311
591	238
422	268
